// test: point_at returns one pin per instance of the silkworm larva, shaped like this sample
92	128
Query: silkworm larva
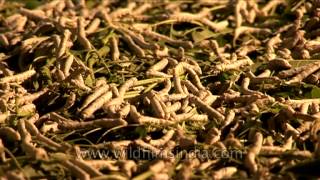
18	77
97	104
97	93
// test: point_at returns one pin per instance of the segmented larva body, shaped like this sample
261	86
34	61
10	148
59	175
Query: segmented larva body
177	83
137	38
18	78
225	173
174	107
67	64
80	84
209	99
122	11
234	65
213	25
166	89
246	30
61	49
97	104
208	109
124	111
199	117
229	118
104	123
97	93
133	46
115	53
33	14
126	86
250	162
75	170
4	40
264	74
138	118
10	133
82	34
185	17
31	97
183	117
156	106
160	65
93	26
27	146
305	73
174	97
272	42
195	78
155	35
163	140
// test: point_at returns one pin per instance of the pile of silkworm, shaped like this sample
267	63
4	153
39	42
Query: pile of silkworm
159	89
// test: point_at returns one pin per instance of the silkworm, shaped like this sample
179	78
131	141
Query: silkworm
75	170
254	150
31	97
138	118
18	78
10	134
27	146
133	46
35	132
163	140
97	92
97	104
209	110
155	103
4	40
141	9
306	71
138	39
82	34
245	87
153	149
104	122
33	14
229	118
225	173
246	30
115	54
61	49
174	97
195	78
86	167
174	107
103	164
80	84
213	136
240	5
160	65
93	26
234	65
122	11
126	86
155	35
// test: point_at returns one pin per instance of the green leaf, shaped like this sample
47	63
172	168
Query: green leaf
89	81
32	4
198	36
103	51
315	92
141	131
